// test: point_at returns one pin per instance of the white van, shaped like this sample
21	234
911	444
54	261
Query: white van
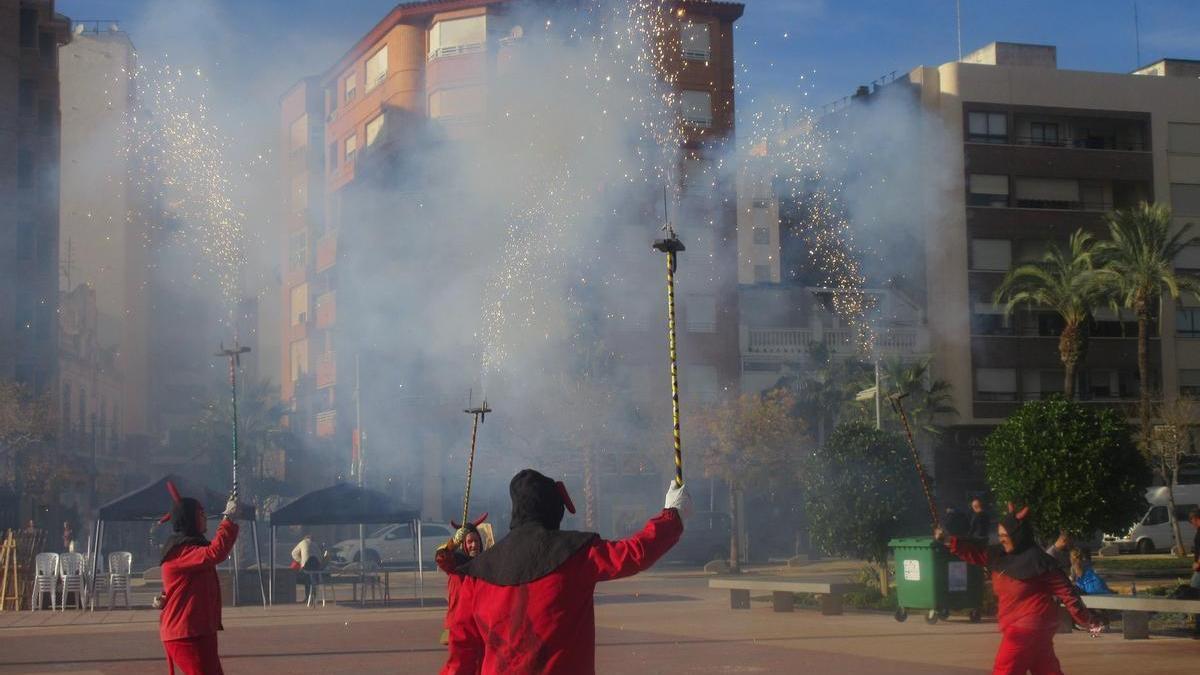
1153	532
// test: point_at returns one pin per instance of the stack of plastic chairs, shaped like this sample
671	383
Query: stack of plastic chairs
119	564
99	584
45	580
70	570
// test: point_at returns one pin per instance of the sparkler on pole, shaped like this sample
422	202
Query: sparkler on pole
479	414
672	246
235	361
898	406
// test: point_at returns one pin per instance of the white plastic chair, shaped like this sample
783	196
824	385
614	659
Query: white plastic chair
45	580
99	585
70	571
119	564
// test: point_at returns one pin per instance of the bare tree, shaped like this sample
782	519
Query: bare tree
1170	441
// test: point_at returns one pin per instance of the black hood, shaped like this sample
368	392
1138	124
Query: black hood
534	546
1027	560
186	527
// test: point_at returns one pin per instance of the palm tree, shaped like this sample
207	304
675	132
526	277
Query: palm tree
1066	282
1137	269
926	397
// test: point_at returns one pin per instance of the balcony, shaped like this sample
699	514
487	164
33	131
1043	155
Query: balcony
326	424
326	251
326	310
798	341
455	50
326	370
1052	161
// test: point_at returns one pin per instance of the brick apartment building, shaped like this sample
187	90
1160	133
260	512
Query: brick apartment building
436	65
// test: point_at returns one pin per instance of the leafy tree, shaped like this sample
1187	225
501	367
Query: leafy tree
30	461
861	491
1169	443
823	389
1064	281
1137	270
260	427
750	442
1075	466
924	397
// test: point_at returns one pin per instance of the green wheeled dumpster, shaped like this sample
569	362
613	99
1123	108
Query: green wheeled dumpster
930	579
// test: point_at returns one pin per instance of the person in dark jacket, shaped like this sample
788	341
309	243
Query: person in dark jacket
980	524
525	605
191	597
1029	585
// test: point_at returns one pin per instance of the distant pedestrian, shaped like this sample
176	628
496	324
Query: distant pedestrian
306	558
1084	576
980	524
1060	550
68	537
30	528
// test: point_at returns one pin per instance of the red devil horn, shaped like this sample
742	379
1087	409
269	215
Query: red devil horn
455	525
479	521
562	492
174	492
1022	513
1011	507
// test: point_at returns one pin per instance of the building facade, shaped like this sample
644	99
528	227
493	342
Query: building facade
30	35
437	65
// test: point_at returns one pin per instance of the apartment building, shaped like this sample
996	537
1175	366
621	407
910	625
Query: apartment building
30	34
1035	153
436	65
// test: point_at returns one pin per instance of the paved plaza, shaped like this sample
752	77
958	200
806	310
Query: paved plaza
655	623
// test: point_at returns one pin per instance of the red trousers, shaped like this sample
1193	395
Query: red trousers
194	656
1027	651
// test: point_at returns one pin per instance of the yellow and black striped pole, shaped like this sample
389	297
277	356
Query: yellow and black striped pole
672	246
479	414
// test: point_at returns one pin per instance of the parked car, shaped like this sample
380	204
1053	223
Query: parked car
706	538
1153	531
393	545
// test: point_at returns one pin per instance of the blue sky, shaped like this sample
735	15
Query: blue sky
818	49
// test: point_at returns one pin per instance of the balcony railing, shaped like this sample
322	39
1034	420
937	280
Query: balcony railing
456	50
697	54
797	341
1089	143
326	423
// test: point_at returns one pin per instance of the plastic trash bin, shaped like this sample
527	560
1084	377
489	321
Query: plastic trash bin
928	578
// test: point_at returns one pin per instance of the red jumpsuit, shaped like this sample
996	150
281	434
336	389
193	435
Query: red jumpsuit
1027	614
191	613
548	626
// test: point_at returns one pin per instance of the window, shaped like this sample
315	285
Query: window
350	84
457	36
26	94
351	147
762	274
761	203
376	69
991	255
29	28
762	236
694	39
987	190
457	102
298	133
297	250
299	193
995	384
373	129
299	359
701	313
702	382
1047	193
1189	383
24	168
1037	384
333	156
1156	516
299	304
1100	384
25	239
1043	133
990	319
1185	199
1183	137
48	48
985	127
1188	258
1187	322
696	107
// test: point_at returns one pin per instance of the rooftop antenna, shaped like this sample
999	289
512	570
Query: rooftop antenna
958	25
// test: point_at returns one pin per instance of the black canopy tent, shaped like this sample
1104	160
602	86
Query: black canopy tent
150	502
346	504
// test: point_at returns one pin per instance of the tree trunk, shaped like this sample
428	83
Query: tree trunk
1169	480
1070	349
1144	371
883	578
734	535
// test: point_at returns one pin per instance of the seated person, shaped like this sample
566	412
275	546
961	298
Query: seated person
1084	576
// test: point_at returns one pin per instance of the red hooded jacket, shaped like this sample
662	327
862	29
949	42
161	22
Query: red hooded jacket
1026	604
192	589
548	626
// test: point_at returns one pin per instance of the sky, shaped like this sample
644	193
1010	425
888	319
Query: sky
819	49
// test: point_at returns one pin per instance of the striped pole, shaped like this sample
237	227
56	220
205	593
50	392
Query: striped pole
235	360
479	414
912	448
672	246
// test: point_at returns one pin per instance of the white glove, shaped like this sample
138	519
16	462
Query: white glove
679	499
231	508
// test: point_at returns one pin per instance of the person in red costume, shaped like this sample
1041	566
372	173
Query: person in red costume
525	605
466	543
1027	583
191	598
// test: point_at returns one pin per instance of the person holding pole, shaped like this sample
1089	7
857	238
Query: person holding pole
191	597
1029	585
525	605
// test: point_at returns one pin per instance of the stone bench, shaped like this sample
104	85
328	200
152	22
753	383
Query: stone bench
783	592
1136	610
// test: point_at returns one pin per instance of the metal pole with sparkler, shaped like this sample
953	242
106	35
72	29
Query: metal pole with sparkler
479	414
672	247
898	406
235	361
